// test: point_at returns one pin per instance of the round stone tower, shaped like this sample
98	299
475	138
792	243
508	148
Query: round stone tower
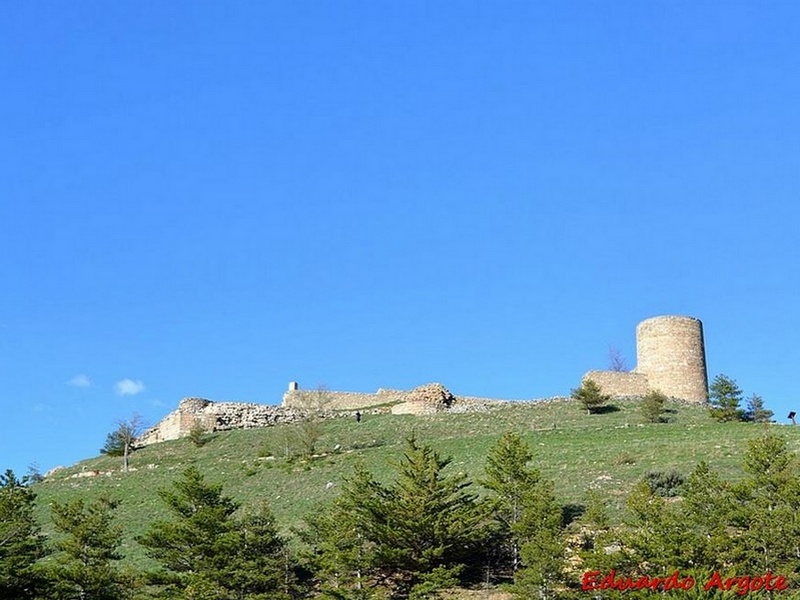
671	353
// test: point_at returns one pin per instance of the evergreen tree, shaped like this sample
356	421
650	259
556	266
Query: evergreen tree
198	434
590	395
428	526
85	569
541	545
527	515
769	508
706	513
21	543
756	411
207	553
591	534
341	539
650	538
753	524
725	398
652	406
510	477
259	568
406	539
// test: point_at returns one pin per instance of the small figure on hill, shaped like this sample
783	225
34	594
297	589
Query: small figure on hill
358	417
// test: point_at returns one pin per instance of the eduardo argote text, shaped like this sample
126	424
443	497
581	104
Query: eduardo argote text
768	582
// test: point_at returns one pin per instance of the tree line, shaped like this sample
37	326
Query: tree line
724	400
427	530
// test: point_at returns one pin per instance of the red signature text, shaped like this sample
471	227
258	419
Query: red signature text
768	582
743	585
593	581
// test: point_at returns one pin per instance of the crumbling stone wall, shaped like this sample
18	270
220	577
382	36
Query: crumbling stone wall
297	404
299	398
217	416
425	399
618	383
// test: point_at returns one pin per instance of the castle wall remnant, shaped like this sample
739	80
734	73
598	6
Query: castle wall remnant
298	404
216	416
620	383
670	358
294	397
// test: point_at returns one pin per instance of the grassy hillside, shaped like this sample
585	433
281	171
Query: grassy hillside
609	452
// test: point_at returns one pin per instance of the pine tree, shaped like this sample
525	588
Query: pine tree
769	508
651	538
753	524
528	516
756	411
341	538
206	552
590	395
725	398
591	534
428	525
408	538
259	567
21	543
541	543
86	567
511	479
706	513
652	406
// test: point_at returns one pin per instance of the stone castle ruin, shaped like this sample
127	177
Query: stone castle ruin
670	357
298	404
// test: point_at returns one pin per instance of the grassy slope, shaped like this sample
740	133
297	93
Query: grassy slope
608	451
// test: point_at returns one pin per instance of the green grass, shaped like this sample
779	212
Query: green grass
609	452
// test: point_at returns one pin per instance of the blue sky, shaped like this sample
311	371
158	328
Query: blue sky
215	198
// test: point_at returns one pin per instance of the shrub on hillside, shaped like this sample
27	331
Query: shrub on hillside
652	407
756	411
197	434
590	396
666	484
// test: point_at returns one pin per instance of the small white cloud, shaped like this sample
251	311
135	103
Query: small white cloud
80	381
129	387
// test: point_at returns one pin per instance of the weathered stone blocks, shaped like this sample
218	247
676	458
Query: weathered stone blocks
670	358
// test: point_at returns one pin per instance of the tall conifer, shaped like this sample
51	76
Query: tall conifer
21	543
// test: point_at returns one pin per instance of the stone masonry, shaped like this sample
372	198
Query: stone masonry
298	404
670	357
216	416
